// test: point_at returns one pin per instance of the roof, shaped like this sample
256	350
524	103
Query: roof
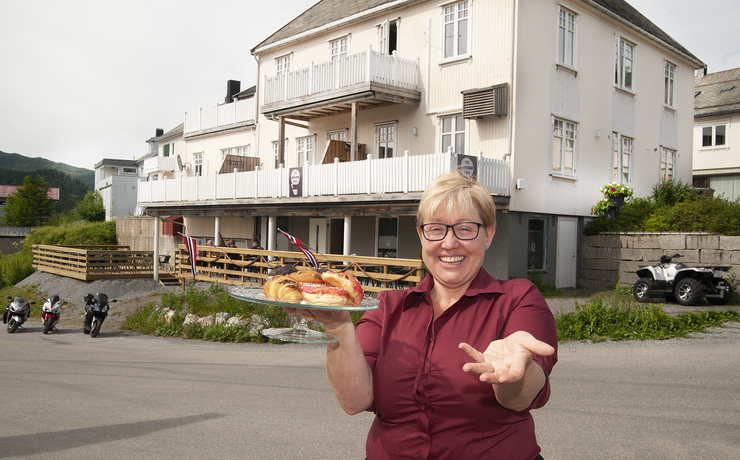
717	93
176	131
326	12
247	93
114	162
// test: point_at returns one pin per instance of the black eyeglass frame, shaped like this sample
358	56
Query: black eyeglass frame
447	230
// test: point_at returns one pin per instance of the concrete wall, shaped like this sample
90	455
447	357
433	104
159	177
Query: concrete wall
608	259
138	234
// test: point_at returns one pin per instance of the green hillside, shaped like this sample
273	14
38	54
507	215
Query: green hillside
16	162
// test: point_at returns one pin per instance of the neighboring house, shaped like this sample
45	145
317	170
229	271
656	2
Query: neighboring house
362	104
716	132
116	181
7	190
161	160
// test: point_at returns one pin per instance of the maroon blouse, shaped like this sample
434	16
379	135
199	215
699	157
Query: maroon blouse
426	407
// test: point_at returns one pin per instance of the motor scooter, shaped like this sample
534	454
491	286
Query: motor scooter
17	312
96	310
51	312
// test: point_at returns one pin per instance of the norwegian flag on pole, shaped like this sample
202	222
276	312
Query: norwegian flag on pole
192	250
299	245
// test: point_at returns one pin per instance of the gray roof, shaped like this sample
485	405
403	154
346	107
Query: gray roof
177	130
328	11
114	162
717	94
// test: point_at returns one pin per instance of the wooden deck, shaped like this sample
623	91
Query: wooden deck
230	266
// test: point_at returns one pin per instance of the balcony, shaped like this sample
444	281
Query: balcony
406	174
159	164
220	117
369	78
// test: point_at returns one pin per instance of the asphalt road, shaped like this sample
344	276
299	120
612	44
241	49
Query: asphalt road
66	395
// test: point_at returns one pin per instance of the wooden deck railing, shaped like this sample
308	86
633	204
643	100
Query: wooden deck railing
93	262
236	266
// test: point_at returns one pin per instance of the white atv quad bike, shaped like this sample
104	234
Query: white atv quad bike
685	284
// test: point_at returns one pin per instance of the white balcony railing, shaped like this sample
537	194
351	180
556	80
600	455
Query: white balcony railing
159	163
372	176
365	67
222	115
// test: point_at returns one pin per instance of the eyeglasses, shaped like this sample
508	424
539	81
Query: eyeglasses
462	231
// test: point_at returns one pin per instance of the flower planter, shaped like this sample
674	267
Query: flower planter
617	200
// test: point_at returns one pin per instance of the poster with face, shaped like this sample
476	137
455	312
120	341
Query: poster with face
296	182
468	166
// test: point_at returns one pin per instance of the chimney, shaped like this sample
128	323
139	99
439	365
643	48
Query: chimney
159	132
232	88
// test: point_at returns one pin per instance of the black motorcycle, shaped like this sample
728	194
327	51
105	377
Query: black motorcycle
17	312
96	310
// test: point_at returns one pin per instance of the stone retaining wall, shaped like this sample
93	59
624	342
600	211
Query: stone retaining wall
607	259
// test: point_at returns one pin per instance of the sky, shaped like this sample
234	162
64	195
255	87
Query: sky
83	80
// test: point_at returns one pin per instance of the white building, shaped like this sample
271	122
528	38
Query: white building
717	133
549	100
116	181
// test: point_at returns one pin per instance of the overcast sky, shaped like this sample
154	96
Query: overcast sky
83	80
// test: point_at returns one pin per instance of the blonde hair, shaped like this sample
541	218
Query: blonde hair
452	194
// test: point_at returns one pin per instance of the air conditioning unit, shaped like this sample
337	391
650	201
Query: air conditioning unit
486	102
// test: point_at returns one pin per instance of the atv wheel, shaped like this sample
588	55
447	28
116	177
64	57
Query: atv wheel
642	289
688	291
721	284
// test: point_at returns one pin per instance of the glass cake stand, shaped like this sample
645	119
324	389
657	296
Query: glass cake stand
300	333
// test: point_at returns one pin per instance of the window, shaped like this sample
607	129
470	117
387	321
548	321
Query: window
566	38
303	149
338	48
714	136
198	164
667	163
563	147
622	158
388	36
453	134
387	236
168	149
340	135
242	151
456	27
537	243
282	64
669	85
385	139
625	65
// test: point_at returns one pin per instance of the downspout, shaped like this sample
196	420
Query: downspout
508	154
257	108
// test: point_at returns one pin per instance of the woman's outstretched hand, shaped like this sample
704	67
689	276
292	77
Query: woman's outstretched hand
505	360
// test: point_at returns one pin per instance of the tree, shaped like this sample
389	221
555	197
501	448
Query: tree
29	204
91	208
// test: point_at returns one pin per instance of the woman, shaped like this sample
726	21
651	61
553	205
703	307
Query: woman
409	361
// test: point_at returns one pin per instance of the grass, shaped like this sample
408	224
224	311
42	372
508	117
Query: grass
616	316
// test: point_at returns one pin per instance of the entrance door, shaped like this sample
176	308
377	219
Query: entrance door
317	235
565	266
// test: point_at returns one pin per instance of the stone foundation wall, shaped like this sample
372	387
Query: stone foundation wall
607	259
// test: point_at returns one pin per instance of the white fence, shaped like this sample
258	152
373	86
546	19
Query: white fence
220	115
371	176
368	66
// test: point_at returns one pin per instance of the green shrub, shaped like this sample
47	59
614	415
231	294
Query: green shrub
670	193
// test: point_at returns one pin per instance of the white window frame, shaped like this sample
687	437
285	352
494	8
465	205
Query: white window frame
567	27
454	14
283	64
667	163
337	135
304	149
450	137
198	164
623	147
626	52
382	134
383	35
669	84
564	140
713	135
339	47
